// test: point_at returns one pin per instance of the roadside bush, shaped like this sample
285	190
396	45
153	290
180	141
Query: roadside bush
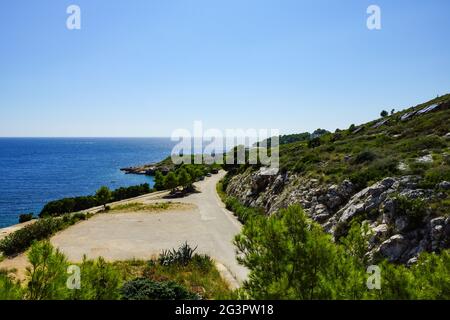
21	239
25	217
146	289
130	192
242	212
69	205
43	228
159	181
202	262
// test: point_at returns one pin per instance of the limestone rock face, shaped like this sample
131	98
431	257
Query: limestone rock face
395	235
394	247
444	185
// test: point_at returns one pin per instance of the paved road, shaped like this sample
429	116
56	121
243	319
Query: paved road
119	236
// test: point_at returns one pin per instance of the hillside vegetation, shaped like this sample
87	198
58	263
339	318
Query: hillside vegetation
392	174
377	149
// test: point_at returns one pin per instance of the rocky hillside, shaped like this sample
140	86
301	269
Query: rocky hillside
392	173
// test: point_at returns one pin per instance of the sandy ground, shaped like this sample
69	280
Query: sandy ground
203	221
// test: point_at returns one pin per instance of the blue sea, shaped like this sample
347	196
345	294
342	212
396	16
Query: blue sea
34	171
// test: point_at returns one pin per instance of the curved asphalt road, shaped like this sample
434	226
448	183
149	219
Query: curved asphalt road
121	236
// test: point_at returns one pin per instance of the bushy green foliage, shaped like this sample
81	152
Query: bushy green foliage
69	205
356	242
21	239
146	289
429	142
435	175
66	205
414	209
290	257
183	175
374	172
202	262
242	212
47	273
314	143
184	179
364	156
342	155
171	181
103	195
182	256
47	278
9	289
25	217
428	279
99	281
130	192
285	139
159	181
42	228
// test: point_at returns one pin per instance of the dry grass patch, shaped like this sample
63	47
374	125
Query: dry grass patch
149	207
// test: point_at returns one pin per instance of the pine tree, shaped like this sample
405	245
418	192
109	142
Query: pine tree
171	181
159	181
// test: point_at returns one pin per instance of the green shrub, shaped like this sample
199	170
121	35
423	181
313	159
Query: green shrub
25	217
430	142
46	273
146	289
242	212
291	257
202	262
42	228
21	239
103	196
130	192
99	281
414	209
69	205
314	143
9	289
428	279
377	170
159	181
436	175
364	156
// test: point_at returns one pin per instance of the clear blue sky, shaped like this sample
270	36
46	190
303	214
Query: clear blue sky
147	67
